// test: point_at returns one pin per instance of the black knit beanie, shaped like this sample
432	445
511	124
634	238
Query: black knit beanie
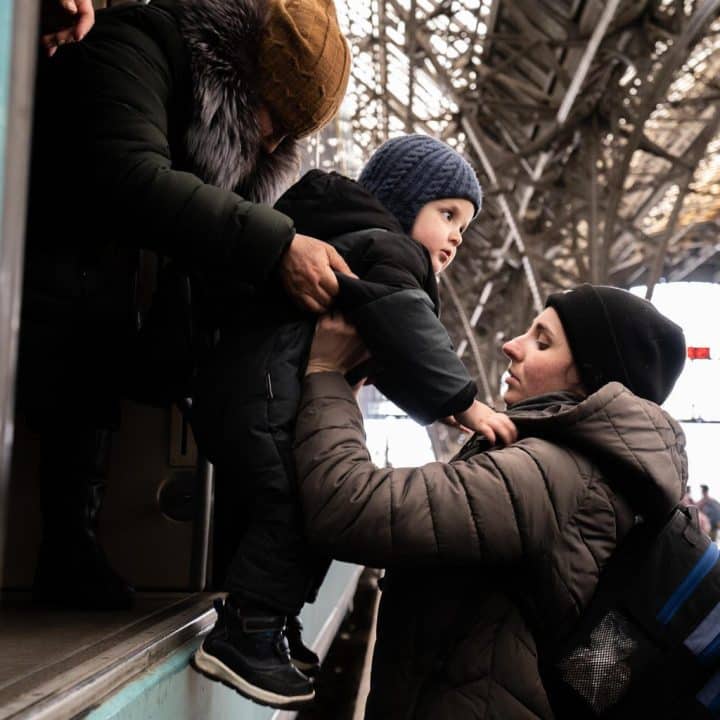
615	335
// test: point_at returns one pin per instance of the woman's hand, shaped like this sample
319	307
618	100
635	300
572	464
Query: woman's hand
336	346
65	21
307	272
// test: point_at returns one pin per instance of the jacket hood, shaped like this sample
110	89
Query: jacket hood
327	205
636	443
223	140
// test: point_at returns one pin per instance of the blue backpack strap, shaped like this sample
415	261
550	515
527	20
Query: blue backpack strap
689	584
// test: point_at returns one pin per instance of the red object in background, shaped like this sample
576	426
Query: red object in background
699	353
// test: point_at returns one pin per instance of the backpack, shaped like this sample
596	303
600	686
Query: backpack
648	644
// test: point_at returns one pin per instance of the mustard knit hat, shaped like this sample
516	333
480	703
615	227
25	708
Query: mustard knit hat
304	64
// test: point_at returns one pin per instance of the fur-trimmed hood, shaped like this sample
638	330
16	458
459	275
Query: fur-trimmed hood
223	139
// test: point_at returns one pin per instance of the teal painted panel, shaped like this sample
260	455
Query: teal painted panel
173	691
6	27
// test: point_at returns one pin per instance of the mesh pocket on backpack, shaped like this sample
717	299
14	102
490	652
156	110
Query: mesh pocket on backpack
600	670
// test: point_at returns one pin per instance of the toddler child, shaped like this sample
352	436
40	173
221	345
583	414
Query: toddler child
398	226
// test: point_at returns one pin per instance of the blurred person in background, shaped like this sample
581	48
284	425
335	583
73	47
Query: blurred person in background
688	500
710	507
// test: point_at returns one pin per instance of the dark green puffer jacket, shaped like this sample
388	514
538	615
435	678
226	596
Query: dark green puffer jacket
146	137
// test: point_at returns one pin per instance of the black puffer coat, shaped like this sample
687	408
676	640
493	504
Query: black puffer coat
394	304
247	398
146	137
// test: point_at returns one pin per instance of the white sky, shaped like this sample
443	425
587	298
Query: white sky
696	396
694	307
401	440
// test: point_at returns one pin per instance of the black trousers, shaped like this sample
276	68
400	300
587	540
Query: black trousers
243	418
75	334
260	552
81	351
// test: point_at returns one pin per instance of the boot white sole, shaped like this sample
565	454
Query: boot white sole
217	670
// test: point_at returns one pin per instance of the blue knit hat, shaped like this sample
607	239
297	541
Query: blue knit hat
410	171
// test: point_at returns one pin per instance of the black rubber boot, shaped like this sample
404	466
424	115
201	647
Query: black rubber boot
250	655
72	570
303	658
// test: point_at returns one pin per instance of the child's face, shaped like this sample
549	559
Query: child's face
439	227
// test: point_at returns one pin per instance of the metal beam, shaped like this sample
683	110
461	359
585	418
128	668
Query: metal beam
696	153
514	232
674	59
692	264
593	201
562	115
490	22
470	335
382	61
410	50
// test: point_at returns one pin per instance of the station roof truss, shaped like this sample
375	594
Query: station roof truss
594	126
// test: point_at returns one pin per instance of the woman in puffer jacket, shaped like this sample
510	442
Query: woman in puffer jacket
496	551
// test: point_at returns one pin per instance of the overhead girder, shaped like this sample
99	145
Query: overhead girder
563	111
600	209
695	154
470	335
593	126
673	60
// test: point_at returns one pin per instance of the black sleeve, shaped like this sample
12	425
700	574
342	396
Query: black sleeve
418	368
117	86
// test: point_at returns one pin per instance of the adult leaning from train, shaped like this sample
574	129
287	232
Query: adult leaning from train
497	550
163	135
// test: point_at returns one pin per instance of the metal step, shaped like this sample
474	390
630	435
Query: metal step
122	666
66	662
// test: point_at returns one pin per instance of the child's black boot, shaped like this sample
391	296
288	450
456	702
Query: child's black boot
250	654
303	658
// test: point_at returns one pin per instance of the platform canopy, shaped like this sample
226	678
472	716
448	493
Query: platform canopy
594	126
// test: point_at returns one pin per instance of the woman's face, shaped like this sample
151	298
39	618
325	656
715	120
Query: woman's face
540	360
270	133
